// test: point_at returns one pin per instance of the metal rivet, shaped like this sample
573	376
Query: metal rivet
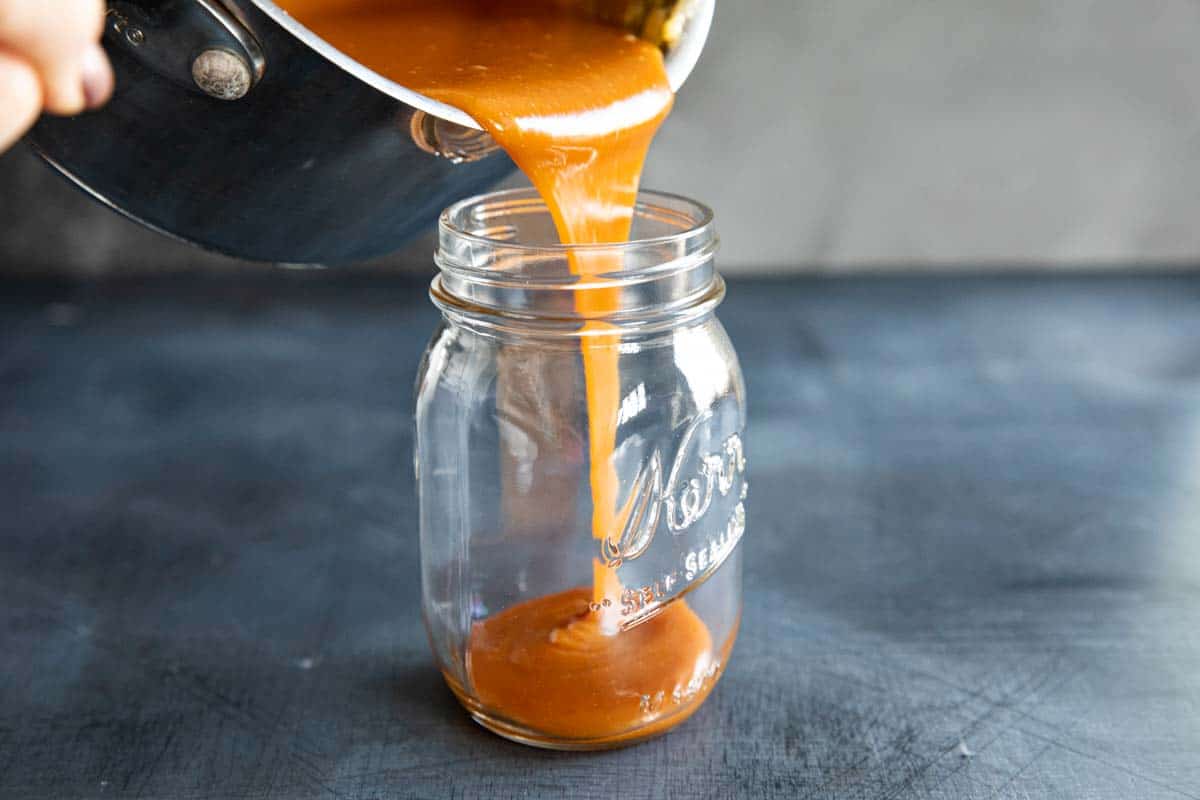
222	74
135	36
450	140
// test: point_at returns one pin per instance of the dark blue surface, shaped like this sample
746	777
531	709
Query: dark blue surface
973	557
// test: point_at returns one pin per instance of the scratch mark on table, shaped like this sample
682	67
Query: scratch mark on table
1029	688
153	765
1020	770
1111	765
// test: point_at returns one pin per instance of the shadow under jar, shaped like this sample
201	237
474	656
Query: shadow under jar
581	472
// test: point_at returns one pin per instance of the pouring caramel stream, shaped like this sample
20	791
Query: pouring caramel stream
575	103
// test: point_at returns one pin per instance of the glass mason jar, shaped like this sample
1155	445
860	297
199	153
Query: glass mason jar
579	414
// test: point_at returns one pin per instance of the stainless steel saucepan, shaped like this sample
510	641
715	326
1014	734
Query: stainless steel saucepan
236	128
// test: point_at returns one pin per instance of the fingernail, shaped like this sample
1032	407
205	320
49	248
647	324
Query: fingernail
97	77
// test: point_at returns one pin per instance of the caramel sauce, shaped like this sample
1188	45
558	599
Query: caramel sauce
575	103
544	664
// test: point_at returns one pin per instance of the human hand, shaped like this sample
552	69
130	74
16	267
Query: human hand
50	60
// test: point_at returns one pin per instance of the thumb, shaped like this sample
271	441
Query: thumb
20	98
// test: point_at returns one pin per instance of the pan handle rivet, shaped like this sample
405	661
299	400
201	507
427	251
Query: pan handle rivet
222	74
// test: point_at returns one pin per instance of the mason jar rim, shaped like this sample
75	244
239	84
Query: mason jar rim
449	223
501	266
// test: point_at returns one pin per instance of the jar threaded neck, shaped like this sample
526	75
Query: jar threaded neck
500	263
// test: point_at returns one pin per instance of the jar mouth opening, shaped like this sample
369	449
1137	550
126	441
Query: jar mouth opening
499	255
478	221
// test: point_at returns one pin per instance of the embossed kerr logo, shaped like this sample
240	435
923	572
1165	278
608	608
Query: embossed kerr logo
682	500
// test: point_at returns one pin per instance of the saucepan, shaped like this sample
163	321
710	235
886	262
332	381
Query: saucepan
235	128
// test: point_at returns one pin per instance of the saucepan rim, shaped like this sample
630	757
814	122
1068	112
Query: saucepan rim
680	61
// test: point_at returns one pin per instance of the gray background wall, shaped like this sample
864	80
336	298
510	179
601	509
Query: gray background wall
859	134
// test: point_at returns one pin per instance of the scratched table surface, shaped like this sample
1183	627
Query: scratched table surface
972	559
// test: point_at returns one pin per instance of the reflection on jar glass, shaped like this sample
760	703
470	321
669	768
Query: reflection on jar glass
581	472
